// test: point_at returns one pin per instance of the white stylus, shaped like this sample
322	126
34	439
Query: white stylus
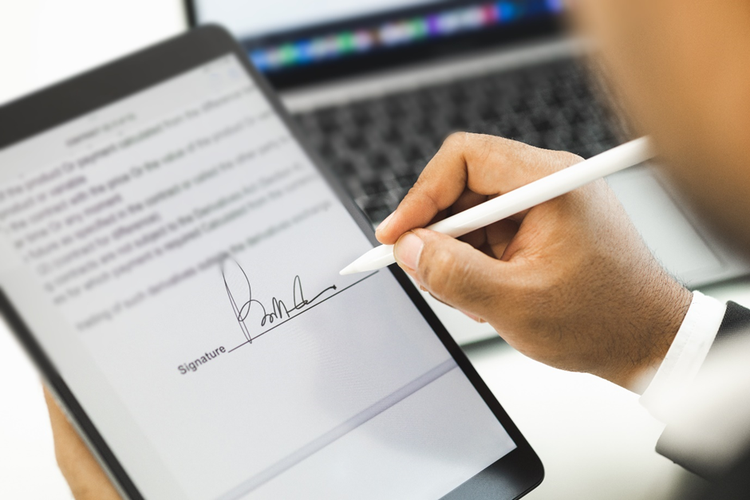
518	200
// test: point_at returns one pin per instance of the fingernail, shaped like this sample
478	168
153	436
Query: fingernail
385	222
408	250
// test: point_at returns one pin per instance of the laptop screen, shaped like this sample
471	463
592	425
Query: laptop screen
297	41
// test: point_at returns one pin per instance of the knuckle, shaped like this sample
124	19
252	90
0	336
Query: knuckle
439	270
452	138
546	162
455	139
565	159
419	197
450	278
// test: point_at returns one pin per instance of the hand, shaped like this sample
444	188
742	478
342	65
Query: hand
569	283
85	477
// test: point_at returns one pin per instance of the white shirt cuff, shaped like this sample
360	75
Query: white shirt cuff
685	356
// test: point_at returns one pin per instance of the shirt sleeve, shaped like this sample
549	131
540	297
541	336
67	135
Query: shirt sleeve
685	356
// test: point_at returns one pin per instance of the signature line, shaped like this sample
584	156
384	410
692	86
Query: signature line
304	311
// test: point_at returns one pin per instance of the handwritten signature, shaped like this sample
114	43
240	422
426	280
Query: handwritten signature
278	310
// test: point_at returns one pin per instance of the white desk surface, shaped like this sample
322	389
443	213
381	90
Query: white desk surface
594	438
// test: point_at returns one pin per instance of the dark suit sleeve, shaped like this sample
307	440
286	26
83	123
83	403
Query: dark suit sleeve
736	322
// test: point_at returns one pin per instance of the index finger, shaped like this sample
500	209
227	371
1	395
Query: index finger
484	164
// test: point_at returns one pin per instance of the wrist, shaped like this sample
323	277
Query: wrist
662	317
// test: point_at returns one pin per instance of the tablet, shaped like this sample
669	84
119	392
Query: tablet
169	257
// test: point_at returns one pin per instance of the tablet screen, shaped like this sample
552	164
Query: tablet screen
176	254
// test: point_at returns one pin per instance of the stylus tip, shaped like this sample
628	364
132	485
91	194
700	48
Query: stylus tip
350	269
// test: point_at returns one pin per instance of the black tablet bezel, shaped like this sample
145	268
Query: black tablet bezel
514	474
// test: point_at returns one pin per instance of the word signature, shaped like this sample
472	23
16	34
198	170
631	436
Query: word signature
278	309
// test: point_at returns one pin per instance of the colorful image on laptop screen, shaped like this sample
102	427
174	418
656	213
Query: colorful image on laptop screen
291	34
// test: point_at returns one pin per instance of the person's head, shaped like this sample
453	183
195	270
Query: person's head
683	70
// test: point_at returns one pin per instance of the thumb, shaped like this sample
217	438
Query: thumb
451	270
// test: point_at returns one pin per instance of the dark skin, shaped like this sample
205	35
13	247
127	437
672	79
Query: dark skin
569	282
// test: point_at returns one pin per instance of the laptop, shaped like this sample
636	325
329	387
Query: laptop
377	85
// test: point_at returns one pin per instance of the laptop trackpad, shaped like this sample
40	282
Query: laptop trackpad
671	237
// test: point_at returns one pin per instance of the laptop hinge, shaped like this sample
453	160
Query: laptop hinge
441	71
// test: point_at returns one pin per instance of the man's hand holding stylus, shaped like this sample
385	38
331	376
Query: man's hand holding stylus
569	283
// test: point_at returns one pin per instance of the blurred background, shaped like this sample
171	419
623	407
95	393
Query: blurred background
594	438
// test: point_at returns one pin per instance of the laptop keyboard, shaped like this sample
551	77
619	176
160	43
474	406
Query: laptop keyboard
379	146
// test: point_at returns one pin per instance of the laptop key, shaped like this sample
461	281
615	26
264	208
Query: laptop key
380	145
376	212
